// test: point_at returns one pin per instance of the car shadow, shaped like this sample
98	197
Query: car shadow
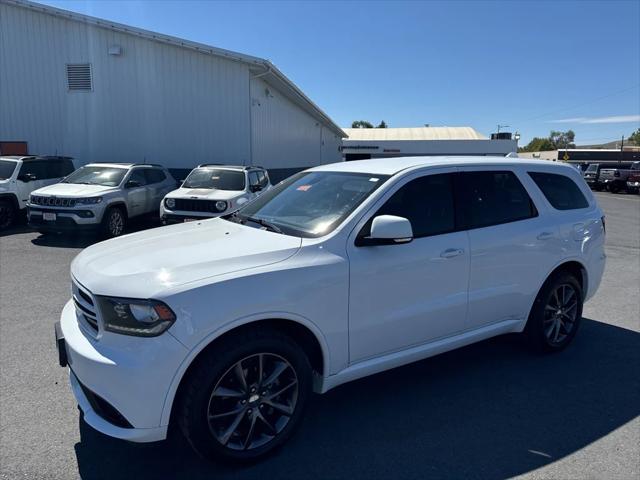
490	410
85	239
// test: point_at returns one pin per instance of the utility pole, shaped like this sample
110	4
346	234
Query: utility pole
621	149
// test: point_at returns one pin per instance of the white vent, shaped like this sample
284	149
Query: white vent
79	76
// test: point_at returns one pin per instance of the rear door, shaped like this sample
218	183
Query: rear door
157	188
511	244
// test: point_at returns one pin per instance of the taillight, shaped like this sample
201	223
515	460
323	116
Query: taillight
604	225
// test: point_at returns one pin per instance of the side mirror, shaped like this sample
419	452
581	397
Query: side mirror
388	230
132	184
26	177
255	188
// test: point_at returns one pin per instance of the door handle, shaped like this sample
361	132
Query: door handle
452	252
545	236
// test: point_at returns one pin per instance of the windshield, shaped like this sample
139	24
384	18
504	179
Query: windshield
215	178
593	167
105	176
6	169
311	204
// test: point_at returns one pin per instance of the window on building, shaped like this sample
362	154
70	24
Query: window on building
561	191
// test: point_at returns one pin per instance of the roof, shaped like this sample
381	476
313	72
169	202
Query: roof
267	70
391	166
414	133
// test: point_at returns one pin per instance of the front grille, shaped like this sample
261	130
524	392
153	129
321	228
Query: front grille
86	312
53	201
193	205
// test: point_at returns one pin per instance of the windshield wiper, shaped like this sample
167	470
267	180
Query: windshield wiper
266	224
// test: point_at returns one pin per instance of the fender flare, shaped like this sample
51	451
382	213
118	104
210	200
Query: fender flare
12	198
226	328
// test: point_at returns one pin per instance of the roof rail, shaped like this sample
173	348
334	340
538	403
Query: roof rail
146	164
254	166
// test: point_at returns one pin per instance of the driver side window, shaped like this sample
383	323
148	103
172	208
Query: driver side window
427	202
138	176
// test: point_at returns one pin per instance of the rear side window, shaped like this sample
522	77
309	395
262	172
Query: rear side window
492	198
561	191
154	175
427	202
58	168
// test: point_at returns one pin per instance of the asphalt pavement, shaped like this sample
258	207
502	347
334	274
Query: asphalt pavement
491	410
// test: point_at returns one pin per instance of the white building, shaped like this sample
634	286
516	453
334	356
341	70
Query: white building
364	143
101	91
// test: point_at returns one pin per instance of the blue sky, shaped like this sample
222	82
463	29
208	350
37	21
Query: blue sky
535	66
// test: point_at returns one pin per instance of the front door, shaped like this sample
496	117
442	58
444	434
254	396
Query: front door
408	294
137	193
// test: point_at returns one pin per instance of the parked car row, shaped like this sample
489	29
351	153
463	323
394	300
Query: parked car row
103	197
613	177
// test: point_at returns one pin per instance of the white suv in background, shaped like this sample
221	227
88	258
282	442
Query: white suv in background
100	196
341	271
212	190
20	175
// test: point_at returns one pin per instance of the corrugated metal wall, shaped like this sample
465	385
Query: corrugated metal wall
283	135
155	101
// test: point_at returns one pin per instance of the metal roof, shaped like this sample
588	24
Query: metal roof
391	166
264	68
414	133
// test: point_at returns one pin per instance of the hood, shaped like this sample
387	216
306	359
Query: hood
5	184
144	264
72	190
205	193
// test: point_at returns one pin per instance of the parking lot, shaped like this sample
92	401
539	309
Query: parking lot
491	410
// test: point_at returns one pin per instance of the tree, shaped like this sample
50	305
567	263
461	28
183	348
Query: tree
361	124
635	137
382	125
554	141
562	139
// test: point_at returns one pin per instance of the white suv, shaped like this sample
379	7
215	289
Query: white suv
212	190
339	272
20	175
100	196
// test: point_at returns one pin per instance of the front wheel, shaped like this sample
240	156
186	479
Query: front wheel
246	397
614	187
556	313
113	223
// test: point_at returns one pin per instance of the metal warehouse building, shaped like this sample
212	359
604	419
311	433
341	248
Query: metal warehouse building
364	143
101	91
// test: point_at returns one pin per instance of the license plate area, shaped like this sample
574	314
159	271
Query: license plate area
49	216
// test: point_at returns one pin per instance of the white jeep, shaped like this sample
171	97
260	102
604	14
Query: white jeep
20	175
100	196
213	190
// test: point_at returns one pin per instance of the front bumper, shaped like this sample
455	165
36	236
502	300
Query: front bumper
66	219
131	375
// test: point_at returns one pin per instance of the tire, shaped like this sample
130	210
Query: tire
614	187
597	187
114	222
553	322
207	420
7	214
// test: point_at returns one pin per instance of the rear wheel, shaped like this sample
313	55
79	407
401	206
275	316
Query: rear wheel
246	397
556	313
114	222
614	187
7	214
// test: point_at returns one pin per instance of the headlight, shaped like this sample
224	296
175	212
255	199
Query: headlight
170	202
142	318
88	201
221	205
